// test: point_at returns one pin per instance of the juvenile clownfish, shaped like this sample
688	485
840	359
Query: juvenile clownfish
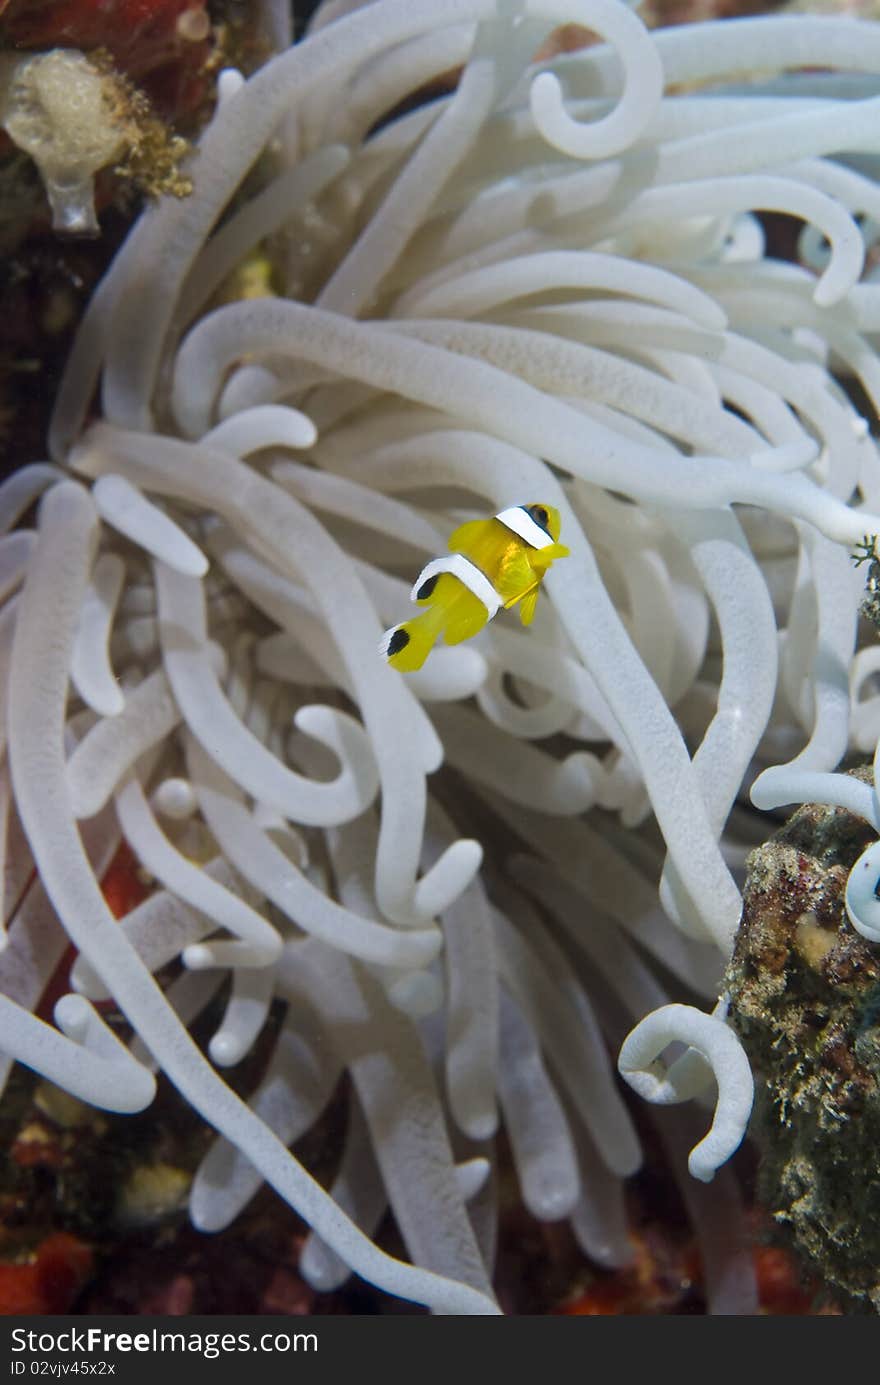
492	564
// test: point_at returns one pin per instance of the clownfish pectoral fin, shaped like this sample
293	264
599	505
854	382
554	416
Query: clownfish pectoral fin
528	604
543	557
407	646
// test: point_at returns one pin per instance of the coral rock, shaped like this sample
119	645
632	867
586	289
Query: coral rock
805	993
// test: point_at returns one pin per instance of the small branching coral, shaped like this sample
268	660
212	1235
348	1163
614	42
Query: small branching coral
549	283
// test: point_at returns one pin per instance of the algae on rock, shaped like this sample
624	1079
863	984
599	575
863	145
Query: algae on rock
805	1001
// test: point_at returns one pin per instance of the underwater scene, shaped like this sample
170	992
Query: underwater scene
439	657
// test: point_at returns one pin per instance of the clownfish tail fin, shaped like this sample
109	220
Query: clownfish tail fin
407	646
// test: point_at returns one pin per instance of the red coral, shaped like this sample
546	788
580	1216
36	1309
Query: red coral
660	1281
50	1281
123	883
781	1289
661	1278
36	1146
123	887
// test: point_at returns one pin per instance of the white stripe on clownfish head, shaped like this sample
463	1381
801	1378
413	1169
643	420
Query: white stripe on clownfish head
520	522
467	573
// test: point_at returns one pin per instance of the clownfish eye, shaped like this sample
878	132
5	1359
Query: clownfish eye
539	515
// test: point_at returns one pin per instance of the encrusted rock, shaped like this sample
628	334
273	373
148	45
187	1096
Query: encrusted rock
805	1000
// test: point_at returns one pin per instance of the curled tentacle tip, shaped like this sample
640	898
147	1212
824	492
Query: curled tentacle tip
861	899
198	957
699	1168
417	993
477	1124
471	1176
72	1014
612	133
229	81
226	1050
724	1058
448	878
833	286
770	788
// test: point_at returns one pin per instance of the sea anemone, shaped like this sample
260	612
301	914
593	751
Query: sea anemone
552	284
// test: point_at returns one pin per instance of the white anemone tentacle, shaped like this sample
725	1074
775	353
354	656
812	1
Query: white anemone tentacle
726	1061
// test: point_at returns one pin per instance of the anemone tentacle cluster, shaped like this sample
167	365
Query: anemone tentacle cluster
549	284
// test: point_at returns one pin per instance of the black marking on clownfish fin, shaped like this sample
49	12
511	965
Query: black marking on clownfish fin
426	590
393	641
407	646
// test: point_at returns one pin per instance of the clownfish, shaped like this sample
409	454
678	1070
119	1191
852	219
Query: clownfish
492	564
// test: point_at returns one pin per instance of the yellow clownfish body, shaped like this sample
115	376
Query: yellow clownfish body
492	565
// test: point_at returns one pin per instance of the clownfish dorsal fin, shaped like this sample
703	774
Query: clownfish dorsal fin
468	535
